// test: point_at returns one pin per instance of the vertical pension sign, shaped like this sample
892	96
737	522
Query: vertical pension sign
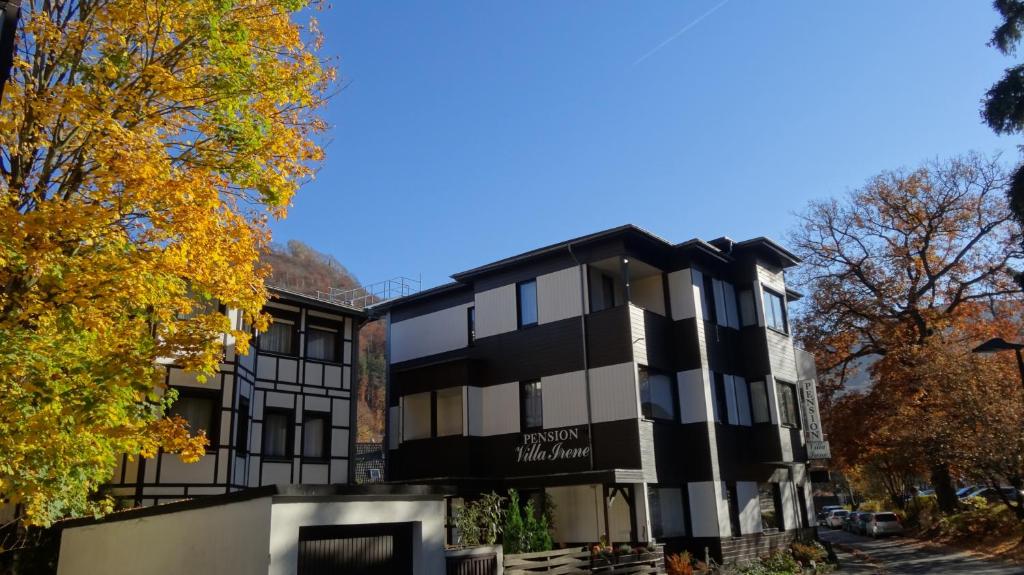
814	435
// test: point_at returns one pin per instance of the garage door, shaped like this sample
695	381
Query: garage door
356	549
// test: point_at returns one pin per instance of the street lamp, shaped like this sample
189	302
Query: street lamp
998	344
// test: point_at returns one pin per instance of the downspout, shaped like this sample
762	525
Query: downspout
586	365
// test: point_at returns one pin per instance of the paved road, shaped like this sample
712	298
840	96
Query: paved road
905	556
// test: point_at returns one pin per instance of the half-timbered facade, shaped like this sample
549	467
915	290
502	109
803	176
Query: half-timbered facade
281	414
649	390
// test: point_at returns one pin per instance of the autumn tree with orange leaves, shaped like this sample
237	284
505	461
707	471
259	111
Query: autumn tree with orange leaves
906	275
144	144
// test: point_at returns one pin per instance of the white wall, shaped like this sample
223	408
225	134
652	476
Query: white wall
431	333
613	393
558	295
222	539
706	509
428	552
499	409
496	311
750	507
564	399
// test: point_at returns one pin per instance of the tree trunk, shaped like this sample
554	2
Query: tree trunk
945	495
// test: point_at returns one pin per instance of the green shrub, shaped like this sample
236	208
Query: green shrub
479	522
778	563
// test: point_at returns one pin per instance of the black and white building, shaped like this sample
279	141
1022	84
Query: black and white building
282	414
649	390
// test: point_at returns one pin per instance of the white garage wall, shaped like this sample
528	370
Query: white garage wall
221	539
428	555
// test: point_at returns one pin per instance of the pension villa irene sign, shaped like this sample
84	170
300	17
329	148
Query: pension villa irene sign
564	444
817	446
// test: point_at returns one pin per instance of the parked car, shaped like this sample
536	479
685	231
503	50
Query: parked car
821	518
884	523
992	495
850	521
859	523
836	517
965	490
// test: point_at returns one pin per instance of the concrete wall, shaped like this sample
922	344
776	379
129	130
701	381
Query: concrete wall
221	539
428	550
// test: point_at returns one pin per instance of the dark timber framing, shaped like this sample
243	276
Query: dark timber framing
245	390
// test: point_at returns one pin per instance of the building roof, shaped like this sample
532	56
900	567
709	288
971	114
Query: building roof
310	301
721	249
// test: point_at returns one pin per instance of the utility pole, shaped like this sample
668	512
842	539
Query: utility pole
10	11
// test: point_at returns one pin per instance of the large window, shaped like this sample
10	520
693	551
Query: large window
775	311
526	302
278	428
316	436
667	507
323	343
531	406
449	411
416	416
657	394
708	299
788	407
242	427
199	409
279	337
759	402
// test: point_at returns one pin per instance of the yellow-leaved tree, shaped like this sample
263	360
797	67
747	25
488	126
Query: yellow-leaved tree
144	145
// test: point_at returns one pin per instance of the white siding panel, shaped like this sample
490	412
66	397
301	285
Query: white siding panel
173	470
430	333
638	330
694	395
287	370
750	508
500	409
782	356
474	406
275	399
704	499
316	474
266	367
276	473
340	412
772	277
681	294
495	311
649	293
558	295
614	393
578	512
564	399
332	375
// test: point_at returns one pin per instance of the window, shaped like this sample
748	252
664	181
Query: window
748	311
759	402
718	399
531	406
416	416
526	302
667	511
787	404
316	436
471	324
768	501
734	508
199	409
277	433
602	290
708	299
449	411
322	343
657	394
279	337
242	427
775	311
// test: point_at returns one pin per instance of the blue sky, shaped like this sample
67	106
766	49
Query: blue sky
472	131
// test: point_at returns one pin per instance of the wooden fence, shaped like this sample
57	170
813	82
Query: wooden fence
581	562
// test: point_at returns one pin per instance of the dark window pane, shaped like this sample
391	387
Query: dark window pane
769	512
774	311
531	405
242	426
787	403
322	344
528	303
656	394
275	434
197	411
279	338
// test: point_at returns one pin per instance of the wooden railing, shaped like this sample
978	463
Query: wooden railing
582	562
